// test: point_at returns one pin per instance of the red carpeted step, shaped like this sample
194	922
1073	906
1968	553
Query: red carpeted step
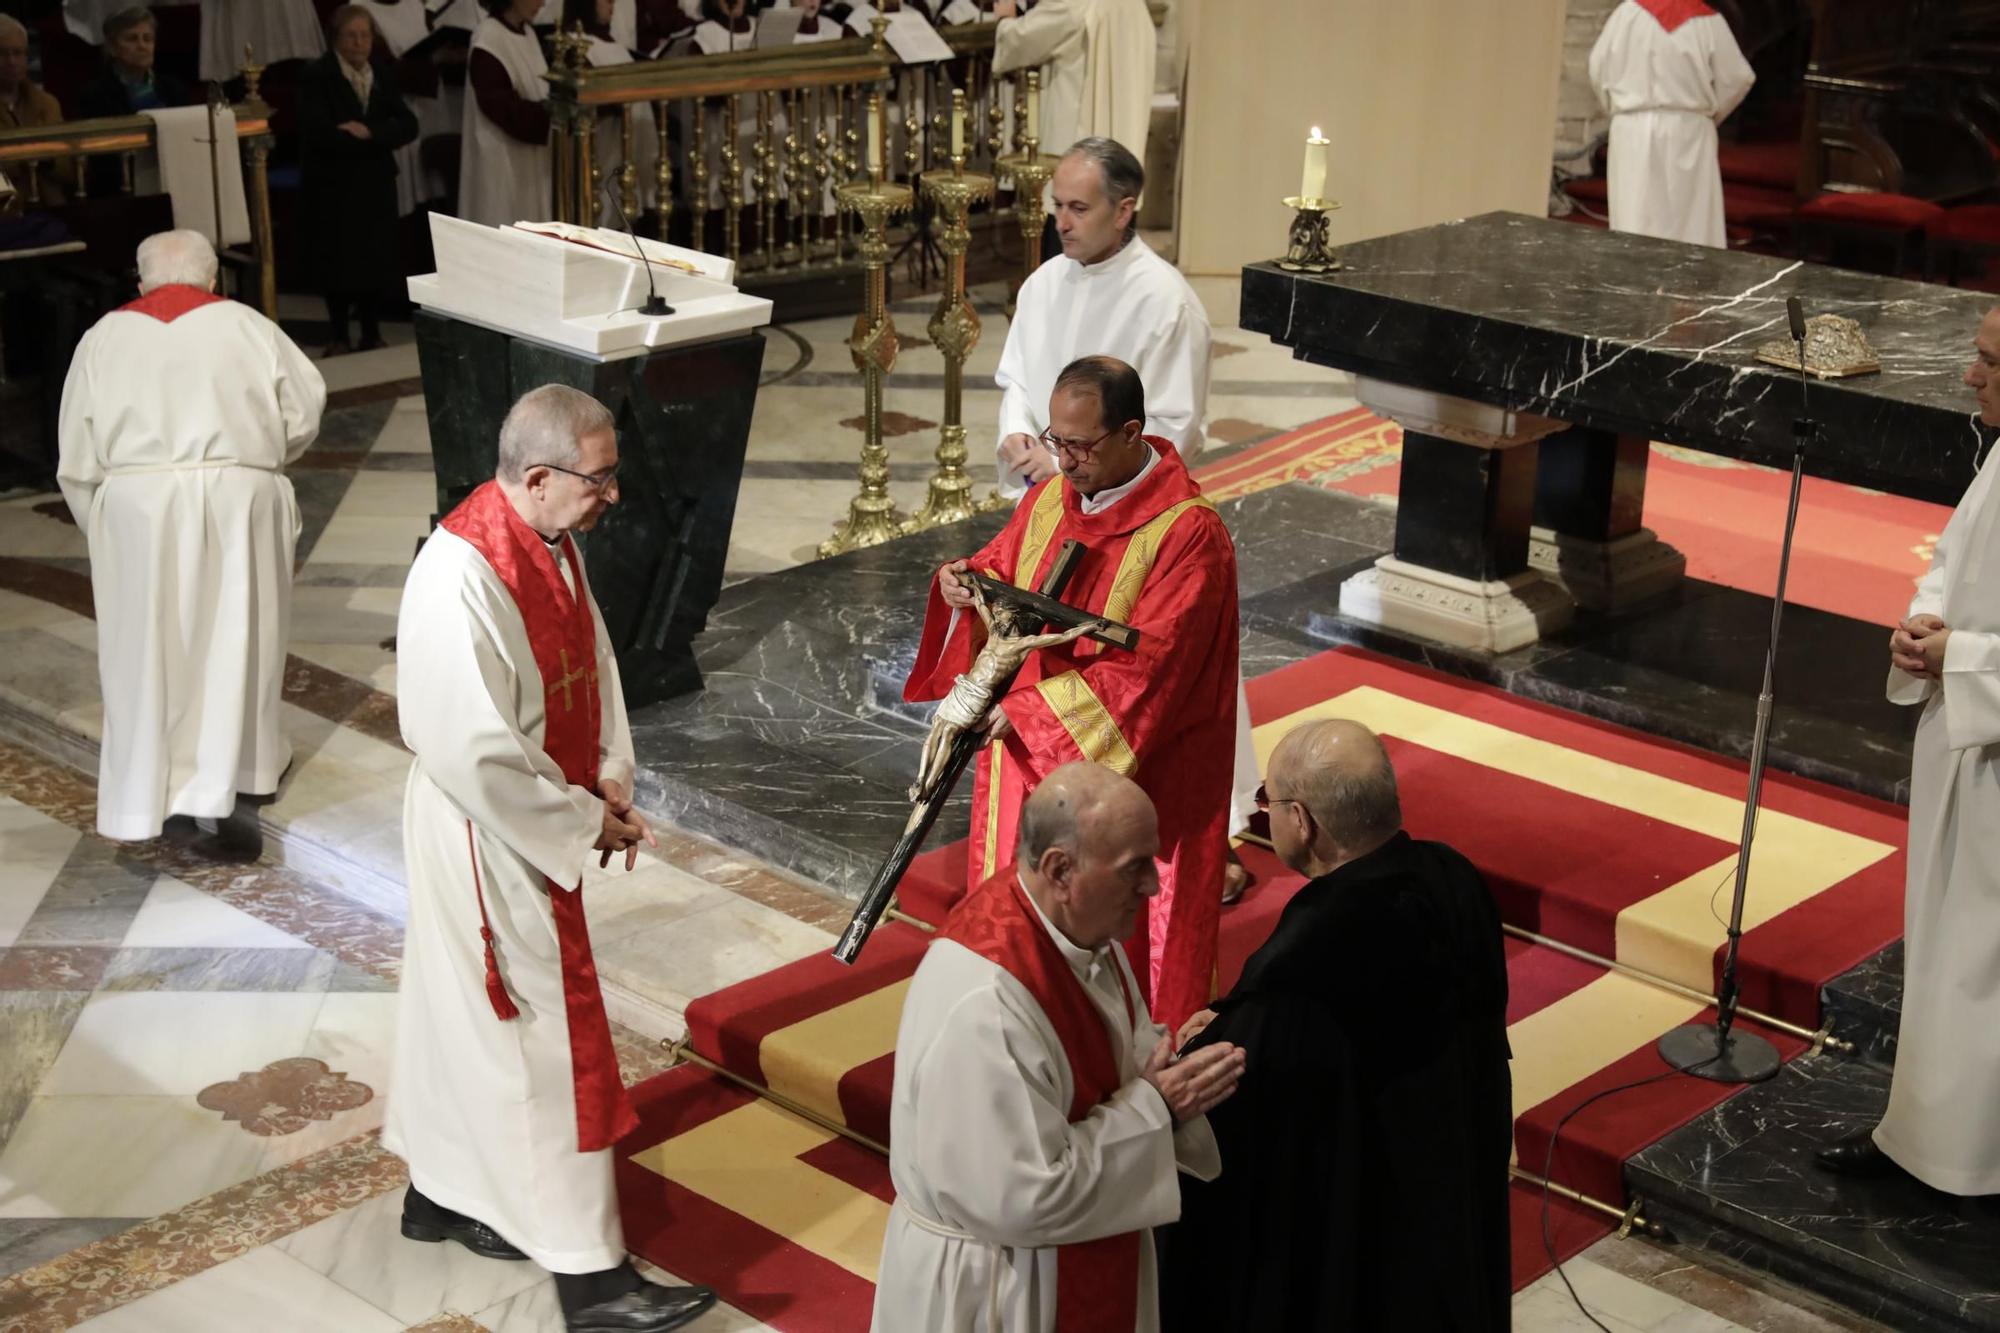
1772	166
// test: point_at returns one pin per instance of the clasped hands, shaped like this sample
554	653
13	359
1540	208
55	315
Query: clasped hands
1917	646
624	827
1197	1084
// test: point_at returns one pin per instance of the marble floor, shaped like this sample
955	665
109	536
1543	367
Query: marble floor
194	1030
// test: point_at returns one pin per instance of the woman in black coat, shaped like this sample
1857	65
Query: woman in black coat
352	120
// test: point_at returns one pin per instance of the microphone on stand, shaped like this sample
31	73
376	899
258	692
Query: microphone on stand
1802	424
654	307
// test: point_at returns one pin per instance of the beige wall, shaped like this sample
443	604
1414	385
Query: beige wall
1437	109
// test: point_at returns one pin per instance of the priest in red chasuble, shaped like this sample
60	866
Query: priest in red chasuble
1159	559
505	1097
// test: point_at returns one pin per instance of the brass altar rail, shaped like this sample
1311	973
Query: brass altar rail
41	147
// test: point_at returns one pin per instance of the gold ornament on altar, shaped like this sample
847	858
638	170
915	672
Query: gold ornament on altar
1836	348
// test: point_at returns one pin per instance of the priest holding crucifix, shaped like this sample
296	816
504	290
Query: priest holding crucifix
506	1097
1160	560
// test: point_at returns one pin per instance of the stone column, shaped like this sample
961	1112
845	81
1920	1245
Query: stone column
1459	573
1590	490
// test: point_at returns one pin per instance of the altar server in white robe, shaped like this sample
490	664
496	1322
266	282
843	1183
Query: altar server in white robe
178	417
1668	72
503	173
1039	1119
505	1097
1099	77
1945	658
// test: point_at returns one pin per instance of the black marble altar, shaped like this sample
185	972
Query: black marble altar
1632	335
1479	506
655	559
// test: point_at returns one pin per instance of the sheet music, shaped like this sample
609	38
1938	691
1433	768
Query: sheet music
914	40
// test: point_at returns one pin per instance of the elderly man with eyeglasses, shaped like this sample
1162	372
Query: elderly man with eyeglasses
505	1097
1160	559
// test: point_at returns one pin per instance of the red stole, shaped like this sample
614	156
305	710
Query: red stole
1097	1281
169	302
564	639
1672	13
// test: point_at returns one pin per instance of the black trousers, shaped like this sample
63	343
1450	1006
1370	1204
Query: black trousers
368	308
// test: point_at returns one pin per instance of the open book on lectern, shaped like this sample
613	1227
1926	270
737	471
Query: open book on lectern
580	288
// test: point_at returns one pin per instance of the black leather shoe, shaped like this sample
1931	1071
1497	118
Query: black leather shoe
1857	1156
476	1236
651	1309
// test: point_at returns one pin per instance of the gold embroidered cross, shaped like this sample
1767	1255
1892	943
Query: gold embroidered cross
570	678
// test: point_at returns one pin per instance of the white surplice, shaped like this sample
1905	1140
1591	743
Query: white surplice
1099	76
484	1111
990	1175
1134	306
1939	1125
1666	92
173	440
502	180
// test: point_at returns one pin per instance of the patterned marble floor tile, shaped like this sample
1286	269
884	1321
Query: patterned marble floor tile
264	1289
670	963
33	1027
27	1242
301	969
93	899
126	1156
144	1044
176	916
362	1251
33	850
407	431
449	1323
22	612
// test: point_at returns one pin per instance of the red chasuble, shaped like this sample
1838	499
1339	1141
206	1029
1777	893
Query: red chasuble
1158	559
1097	1281
1672	13
562	632
169	302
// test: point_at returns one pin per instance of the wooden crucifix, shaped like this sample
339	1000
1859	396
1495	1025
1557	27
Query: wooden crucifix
1018	622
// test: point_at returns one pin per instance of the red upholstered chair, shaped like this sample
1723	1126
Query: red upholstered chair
1894	221
1774	166
1971	232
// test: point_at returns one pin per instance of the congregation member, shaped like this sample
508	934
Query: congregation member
352	121
1364	1158
1096	58
179	414
1667	72
129	83
503	173
1944	658
1039	1120
505	1097
26	105
1159	559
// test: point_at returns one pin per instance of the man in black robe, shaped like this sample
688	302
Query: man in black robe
1364	1156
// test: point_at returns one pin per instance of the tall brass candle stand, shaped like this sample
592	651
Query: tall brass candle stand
954	327
1031	170
872	517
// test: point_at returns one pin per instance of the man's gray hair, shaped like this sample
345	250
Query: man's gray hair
544	427
168	258
1342	773
13	27
1124	177
126	19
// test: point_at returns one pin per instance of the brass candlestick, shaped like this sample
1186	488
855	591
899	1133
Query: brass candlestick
954	327
1310	250
1031	170
872	516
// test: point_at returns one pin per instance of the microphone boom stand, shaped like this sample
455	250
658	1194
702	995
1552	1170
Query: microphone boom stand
1720	1053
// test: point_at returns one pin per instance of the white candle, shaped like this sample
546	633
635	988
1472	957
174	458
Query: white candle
1313	184
958	122
1034	107
874	133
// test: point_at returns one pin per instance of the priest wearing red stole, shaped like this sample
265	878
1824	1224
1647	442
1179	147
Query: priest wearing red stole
1040	1118
505	1096
1159	559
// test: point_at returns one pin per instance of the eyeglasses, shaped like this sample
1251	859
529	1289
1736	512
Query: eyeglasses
601	481
1265	800
1056	444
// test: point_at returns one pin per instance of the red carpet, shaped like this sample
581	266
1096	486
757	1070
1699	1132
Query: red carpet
1591	834
1858	552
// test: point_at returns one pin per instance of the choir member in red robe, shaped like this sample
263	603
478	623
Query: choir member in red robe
1159	559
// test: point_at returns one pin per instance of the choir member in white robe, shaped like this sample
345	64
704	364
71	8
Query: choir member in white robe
503	173
505	1098
1668	72
1945	658
1039	1120
1099	77
178	417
